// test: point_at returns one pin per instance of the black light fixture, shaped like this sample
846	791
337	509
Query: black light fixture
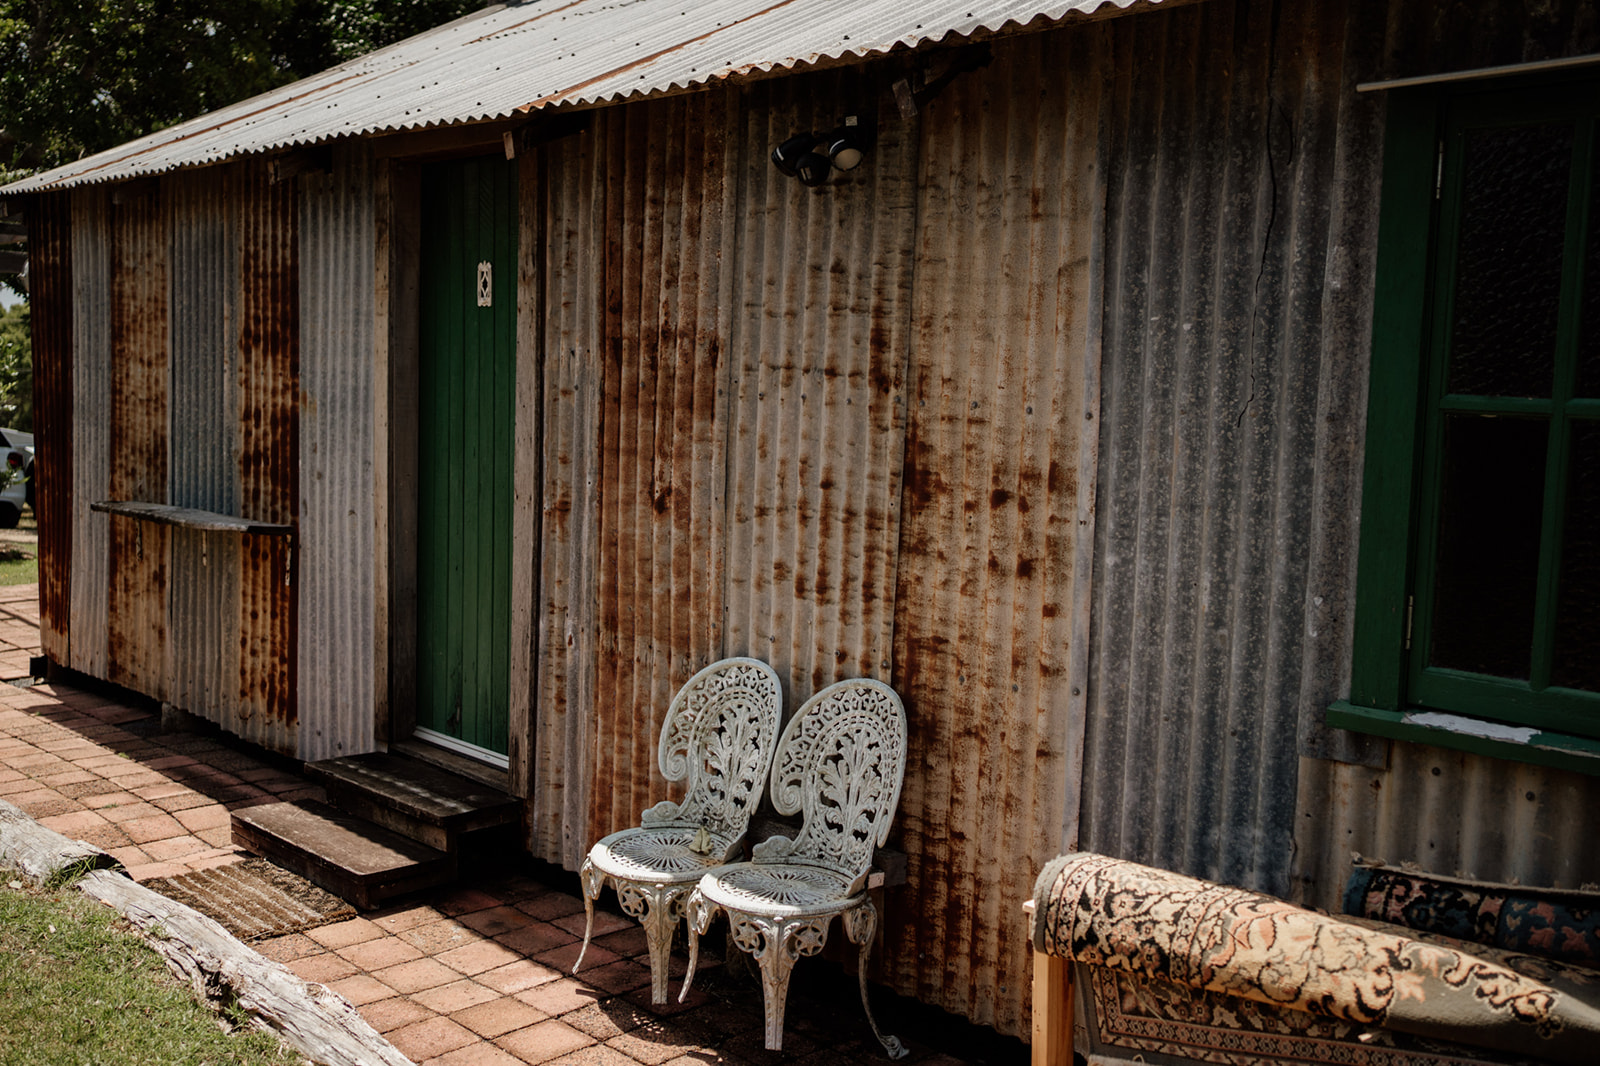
786	157
812	156
846	145
812	168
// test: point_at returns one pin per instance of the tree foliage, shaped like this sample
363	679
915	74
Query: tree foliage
80	76
16	369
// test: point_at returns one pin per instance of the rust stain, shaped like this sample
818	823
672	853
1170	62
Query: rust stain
515	26
269	337
139	361
50	238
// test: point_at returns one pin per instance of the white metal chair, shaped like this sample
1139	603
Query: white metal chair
719	734
840	763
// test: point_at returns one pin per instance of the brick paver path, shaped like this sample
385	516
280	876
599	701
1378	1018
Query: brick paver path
474	976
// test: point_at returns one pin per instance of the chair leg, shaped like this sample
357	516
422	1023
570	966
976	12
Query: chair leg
657	908
860	924
777	944
699	914
592	879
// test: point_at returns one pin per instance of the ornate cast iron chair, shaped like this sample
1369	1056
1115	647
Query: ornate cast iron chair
839	764
719	734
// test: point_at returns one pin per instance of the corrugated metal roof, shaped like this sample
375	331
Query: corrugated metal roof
523	57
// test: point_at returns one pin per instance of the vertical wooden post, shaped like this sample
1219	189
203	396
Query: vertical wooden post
1052	1006
1052	1010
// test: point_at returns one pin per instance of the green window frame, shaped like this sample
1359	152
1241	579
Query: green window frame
1464	438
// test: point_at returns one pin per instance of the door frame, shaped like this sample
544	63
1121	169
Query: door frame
397	353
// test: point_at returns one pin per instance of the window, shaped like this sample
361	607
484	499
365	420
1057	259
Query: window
1478	606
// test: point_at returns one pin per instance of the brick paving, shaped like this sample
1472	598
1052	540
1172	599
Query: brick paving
474	975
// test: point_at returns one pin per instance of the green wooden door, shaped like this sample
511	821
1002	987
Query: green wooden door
468	366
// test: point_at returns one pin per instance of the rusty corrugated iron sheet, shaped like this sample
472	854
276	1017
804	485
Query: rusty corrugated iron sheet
269	368
522	57
817	356
990	617
139	394
1447	812
662	380
1244	177
738	321
90	430
203	604
336	555
569	234
50	239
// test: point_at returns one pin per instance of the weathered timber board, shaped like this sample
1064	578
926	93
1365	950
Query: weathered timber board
352	858
39	853
420	791
319	1023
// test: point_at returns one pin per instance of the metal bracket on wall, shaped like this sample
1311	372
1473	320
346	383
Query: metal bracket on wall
912	100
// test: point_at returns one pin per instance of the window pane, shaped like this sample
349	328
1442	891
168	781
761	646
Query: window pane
1589	340
1488	544
1577	657
1508	265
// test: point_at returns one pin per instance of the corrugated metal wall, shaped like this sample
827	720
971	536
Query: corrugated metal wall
335	549
818	359
269	368
1243	176
202	654
661	440
571	244
51	235
1227	427
137	612
90	429
1448	811
182	373
999	469
854	430
735	355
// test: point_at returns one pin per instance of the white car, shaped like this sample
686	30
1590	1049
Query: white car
17	447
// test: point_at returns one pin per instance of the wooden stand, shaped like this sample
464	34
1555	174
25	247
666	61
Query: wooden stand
1052	1006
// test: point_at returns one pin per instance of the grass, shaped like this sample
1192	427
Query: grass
79	987
19	563
18	567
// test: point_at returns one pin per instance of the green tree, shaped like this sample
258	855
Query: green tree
16	369
80	76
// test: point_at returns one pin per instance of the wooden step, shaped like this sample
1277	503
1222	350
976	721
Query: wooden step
350	857
412	798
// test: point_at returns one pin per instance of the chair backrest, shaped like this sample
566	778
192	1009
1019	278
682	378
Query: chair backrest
840	763
719	734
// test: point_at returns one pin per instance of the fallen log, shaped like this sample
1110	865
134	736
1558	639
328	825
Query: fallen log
320	1024
42	854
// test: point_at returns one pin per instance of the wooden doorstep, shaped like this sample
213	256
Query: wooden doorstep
350	857
418	790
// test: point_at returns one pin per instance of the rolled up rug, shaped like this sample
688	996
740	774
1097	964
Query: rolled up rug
1153	923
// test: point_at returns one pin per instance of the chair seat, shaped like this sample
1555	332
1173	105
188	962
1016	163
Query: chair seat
780	890
661	855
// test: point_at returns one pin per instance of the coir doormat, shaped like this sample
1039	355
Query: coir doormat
254	899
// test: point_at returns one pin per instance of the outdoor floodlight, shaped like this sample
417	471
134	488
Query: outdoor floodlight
812	156
812	168
846	146
786	157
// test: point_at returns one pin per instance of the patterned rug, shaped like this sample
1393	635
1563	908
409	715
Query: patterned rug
1177	969
1555	923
